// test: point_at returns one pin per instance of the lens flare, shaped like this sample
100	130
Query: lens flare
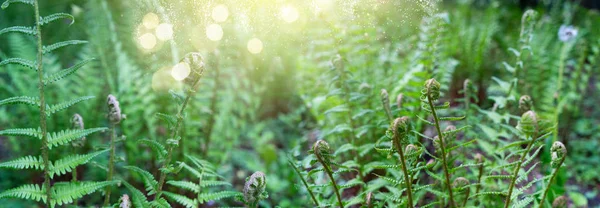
150	20
214	32
147	41
220	13
255	46
164	32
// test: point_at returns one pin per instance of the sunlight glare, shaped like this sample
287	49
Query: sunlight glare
147	41
220	13
150	20
214	32
289	14
180	71
164	32
255	45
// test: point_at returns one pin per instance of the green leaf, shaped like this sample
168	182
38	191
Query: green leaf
56	16
156	147
50	48
64	105
26	162
65	72
8	2
171	120
68	163
149	181
217	196
21	100
27	192
66	193
138	199
185	185
19	29
214	183
20	61
37	133
183	200
337	109
66	136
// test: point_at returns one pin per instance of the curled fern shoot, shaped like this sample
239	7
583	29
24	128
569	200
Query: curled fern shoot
322	151
196	64
559	153
431	93
400	130
254	189
114	116
529	125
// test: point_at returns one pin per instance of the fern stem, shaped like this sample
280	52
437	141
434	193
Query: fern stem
407	176
559	82
43	116
330	174
516	173
174	134
213	108
111	164
312	196
479	175
554	174
443	148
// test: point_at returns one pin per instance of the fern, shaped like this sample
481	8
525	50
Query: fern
27	162
66	193
68	163
60	193
28	192
65	136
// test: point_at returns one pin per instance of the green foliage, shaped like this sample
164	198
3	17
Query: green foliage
369	103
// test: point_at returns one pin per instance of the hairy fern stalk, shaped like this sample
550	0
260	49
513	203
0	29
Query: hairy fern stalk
61	192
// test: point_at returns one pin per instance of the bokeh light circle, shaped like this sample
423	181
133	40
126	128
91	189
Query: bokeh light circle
180	71
150	20
255	46
220	13
147	41
214	32
164	32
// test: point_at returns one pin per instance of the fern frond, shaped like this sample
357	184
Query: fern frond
214	183
56	16
149	182
138	198
64	105
66	136
37	133
217	196
183	200
156	147
65	72
50	48
160	203
9	2
452	118
24	163
170	119
523	203
21	100
27	192
20	29
66	193
185	185
68	163
20	61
